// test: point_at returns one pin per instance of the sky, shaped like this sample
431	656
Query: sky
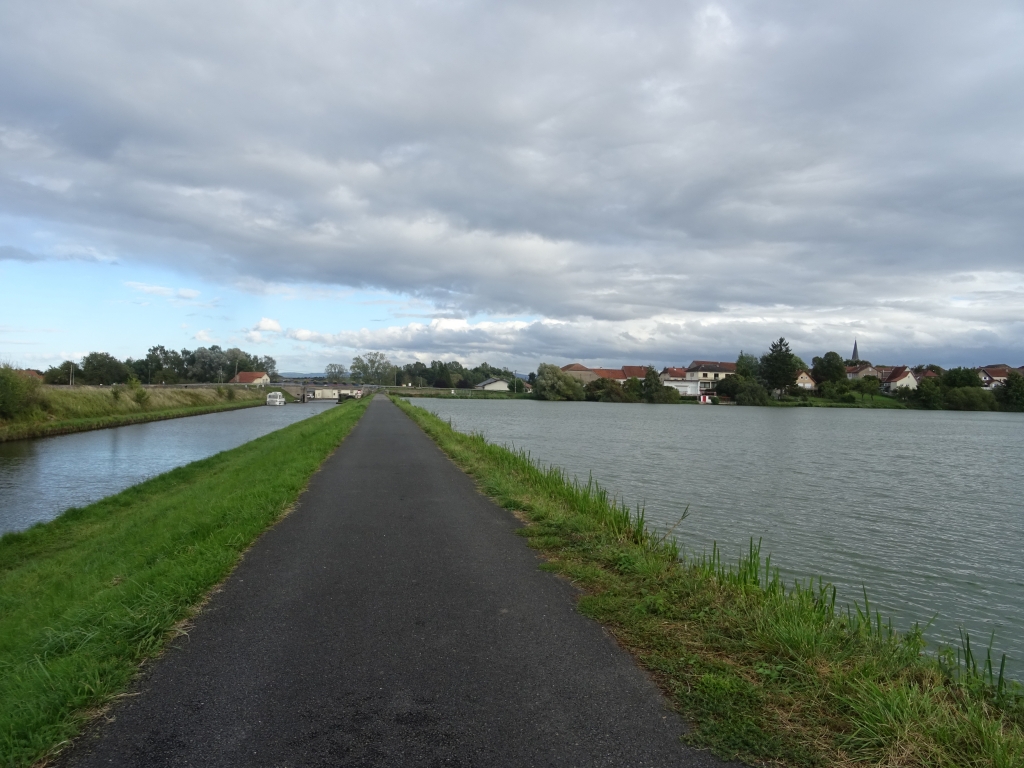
604	182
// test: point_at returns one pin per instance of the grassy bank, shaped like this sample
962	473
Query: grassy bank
86	598
813	401
62	410
765	673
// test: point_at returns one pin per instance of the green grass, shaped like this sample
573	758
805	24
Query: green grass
86	598
765	673
62	410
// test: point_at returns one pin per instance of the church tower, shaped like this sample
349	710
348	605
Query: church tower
856	357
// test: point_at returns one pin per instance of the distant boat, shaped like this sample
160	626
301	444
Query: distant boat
275	398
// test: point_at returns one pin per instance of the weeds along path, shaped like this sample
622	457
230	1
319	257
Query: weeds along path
766	672
86	598
394	618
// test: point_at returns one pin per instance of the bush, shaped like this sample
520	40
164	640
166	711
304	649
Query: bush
752	393
1010	395
970	399
555	384
715	400
17	391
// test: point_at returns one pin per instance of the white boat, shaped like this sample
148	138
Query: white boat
275	398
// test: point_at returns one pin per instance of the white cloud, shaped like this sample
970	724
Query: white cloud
267	324
617	168
203	335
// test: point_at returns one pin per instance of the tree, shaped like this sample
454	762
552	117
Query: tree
868	385
930	394
751	393
779	366
65	373
607	391
102	368
655	391
961	377
1010	394
829	367
555	384
747	366
373	368
730	386
16	391
634	389
335	372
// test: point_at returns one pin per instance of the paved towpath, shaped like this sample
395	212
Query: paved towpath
393	619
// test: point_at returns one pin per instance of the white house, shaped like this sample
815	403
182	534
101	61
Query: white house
900	378
677	379
804	380
493	385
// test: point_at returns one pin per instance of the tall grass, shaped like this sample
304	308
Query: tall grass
87	597
766	672
58	410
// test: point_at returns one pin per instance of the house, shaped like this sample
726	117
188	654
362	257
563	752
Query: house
804	380
348	389
900	378
580	372
862	371
883	372
31	373
928	373
493	385
708	372
993	375
250	377
676	378
634	371
612	374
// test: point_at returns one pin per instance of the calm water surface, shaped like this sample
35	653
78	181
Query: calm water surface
41	478
924	508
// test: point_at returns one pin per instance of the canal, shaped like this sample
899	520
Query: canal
41	478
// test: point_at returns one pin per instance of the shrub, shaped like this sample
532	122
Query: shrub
752	393
970	399
1010	395
16	391
555	384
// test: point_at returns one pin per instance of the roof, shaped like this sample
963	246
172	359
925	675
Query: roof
247	377
609	373
491	380
675	373
929	374
899	372
719	366
575	367
637	371
807	374
712	367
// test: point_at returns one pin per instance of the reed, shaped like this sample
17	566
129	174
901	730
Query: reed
766	672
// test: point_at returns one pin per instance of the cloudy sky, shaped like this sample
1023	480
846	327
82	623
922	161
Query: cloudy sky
512	182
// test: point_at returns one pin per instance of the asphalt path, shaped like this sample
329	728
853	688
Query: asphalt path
393	619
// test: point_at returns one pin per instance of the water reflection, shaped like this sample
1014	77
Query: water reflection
41	478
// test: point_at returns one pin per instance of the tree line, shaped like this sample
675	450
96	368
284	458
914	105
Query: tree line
376	368
161	366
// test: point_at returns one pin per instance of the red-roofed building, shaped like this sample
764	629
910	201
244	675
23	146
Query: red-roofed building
613	374
634	371
993	375
900	378
250	377
580	372
708	372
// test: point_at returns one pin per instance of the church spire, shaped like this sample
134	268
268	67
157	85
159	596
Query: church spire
856	357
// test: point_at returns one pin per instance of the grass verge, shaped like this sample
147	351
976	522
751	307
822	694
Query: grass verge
765	673
62	410
86	598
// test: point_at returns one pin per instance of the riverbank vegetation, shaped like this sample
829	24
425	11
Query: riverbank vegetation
766	673
88	597
161	366
30	409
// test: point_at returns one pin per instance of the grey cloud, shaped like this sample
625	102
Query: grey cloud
10	253
590	162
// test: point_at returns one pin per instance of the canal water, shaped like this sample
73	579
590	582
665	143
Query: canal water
41	478
923	508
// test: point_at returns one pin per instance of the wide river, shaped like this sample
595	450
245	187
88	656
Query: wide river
923	508
41	478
